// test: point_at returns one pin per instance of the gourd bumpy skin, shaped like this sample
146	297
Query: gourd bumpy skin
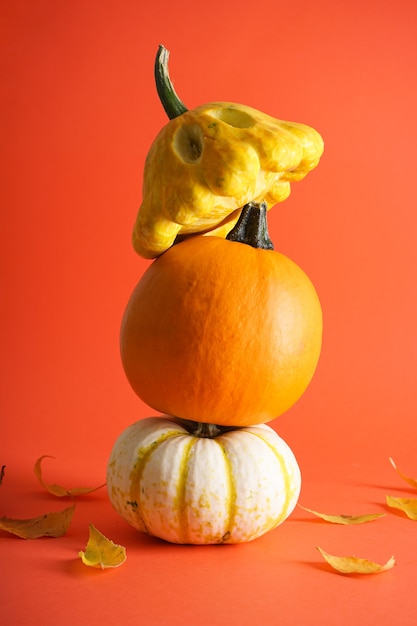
207	163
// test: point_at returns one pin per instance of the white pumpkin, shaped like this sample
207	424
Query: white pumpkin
198	489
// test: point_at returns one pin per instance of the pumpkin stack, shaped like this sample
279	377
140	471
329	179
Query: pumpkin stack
221	334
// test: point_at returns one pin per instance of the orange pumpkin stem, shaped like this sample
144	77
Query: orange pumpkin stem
252	227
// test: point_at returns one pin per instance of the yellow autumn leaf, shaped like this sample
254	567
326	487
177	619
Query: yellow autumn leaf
406	505
410	481
58	490
47	525
354	564
102	552
345	519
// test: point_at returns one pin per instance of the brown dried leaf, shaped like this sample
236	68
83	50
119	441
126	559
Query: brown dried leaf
410	481
355	565
2	470
345	519
48	525
406	505
102	552
58	490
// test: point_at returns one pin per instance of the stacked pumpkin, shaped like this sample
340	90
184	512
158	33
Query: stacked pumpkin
221	334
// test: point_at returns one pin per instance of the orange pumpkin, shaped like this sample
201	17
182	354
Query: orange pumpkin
222	332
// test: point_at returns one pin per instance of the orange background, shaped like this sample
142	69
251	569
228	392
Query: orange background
79	112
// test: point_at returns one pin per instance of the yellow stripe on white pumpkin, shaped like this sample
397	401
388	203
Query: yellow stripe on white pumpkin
170	483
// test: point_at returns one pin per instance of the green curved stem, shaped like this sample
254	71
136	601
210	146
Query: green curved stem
172	104
252	227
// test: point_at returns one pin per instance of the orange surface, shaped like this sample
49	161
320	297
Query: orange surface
79	111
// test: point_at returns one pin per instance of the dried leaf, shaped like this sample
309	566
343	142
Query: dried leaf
410	481
345	519
48	525
2	470
355	565
406	505
58	490
102	552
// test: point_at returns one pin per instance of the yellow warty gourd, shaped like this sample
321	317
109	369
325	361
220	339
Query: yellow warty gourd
207	163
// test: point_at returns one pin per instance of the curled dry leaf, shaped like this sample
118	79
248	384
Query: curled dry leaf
406	505
58	490
345	519
355	565
47	525
410	481
102	552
